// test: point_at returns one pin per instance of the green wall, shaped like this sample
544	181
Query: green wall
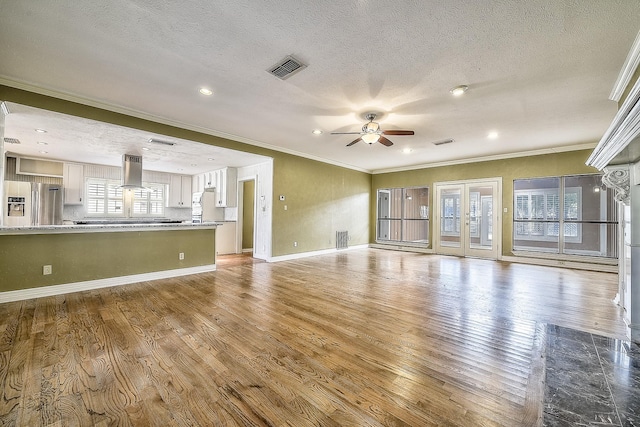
77	257
567	163
321	199
248	209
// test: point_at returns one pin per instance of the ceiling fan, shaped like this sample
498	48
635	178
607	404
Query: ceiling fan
371	133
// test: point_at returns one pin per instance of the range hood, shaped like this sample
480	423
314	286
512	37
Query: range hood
131	171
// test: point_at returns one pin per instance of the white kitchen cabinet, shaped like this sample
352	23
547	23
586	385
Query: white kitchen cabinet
179	191
226	180
226	238
197	183
73	183
209	179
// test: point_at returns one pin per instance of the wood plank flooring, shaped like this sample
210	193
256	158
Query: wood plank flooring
358	338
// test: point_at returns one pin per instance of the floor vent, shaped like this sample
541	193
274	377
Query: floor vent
286	68
342	239
11	141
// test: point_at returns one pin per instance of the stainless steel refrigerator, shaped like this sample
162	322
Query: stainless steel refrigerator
46	204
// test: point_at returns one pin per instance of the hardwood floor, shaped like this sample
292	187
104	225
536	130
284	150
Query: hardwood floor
358	338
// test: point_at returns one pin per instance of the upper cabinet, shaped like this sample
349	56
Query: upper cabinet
73	183
226	180
179	191
197	183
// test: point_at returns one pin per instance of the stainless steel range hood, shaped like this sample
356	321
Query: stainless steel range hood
131	171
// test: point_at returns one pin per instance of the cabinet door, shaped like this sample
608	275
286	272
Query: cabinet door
175	192
221	187
73	178
197	183
185	191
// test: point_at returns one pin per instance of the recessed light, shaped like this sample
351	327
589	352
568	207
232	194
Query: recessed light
316	132
146	148
41	131
42	143
44	152
459	90
211	159
492	135
407	150
205	91
193	164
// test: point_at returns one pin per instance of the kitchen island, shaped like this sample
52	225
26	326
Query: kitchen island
85	257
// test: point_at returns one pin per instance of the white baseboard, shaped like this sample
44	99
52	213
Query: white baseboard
604	268
314	253
46	291
247	250
403	248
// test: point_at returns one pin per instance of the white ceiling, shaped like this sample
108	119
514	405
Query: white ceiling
539	72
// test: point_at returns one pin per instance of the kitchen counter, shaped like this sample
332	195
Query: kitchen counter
81	257
105	227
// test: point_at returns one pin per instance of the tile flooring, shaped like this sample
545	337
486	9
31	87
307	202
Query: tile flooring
590	380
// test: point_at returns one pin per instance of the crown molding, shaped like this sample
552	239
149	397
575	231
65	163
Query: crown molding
162	120
539	152
624	128
628	69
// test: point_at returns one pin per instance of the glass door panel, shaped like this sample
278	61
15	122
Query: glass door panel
467	223
450	217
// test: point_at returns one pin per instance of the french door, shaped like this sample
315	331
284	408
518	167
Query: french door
467	218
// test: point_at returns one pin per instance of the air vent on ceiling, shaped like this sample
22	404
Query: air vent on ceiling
157	141
11	141
444	141
286	68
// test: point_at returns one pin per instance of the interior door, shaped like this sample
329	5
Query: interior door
467	215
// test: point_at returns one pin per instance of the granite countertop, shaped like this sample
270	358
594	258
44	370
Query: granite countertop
96	228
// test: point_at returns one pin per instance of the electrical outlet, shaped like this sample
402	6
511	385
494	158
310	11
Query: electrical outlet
295	244
46	270
181	256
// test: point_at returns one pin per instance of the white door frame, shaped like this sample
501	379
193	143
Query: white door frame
464	249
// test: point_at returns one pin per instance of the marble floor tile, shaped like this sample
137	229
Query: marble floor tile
590	380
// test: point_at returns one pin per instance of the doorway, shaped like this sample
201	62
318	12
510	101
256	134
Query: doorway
248	215
467	218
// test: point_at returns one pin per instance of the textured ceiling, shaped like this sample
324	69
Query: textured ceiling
539	72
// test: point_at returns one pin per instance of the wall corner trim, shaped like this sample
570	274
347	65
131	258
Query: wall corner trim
46	291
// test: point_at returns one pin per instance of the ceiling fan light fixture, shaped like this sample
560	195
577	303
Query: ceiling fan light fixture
459	90
370	138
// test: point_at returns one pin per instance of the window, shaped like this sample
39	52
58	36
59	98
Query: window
149	201
572	215
403	215
537	212
104	198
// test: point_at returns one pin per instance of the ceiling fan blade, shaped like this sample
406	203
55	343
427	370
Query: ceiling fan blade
353	142
346	133
398	132
385	141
